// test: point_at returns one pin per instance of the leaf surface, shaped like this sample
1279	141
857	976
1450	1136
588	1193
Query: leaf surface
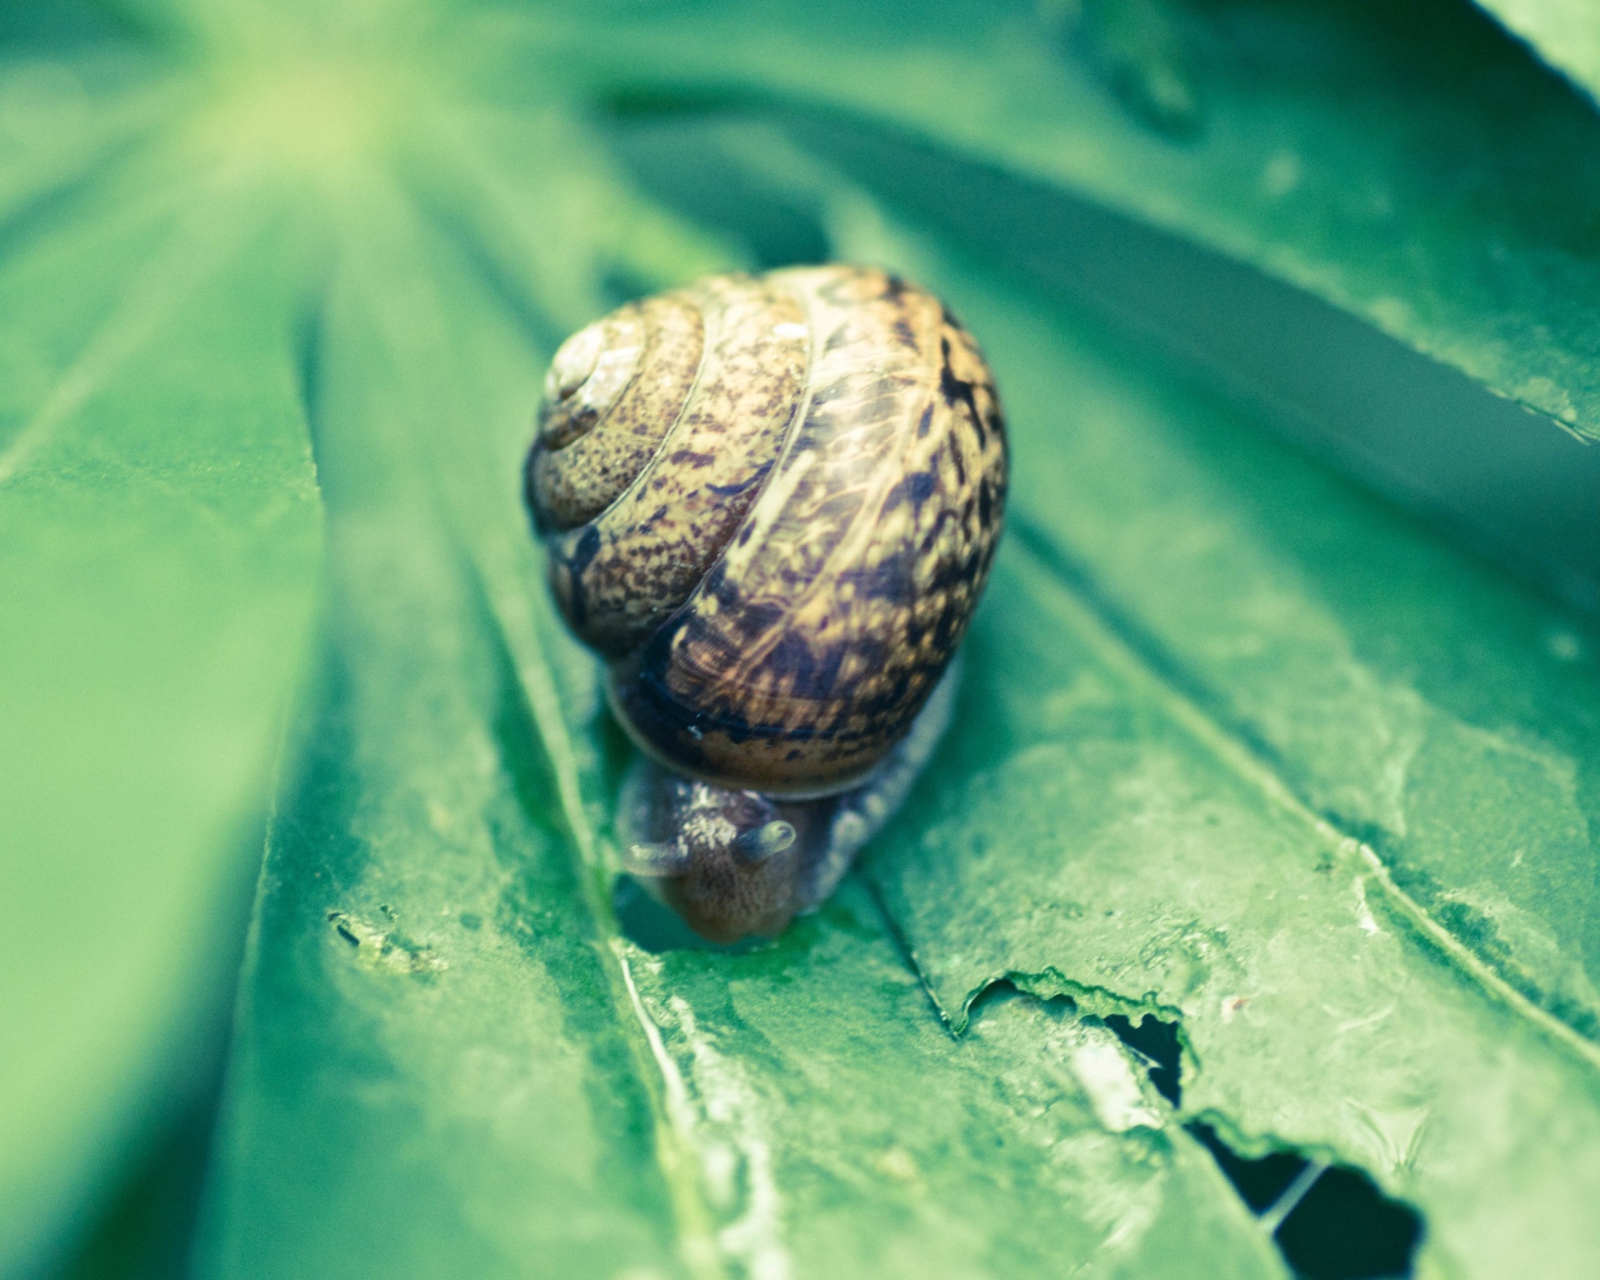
559	1099
1144	832
1240	749
160	522
1407	162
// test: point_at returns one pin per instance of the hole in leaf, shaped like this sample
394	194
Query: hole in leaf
1347	1228
1259	1182
1157	1043
1329	1222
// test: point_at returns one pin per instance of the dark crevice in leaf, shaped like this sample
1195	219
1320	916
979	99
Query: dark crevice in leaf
1006	989
902	945
683	162
309	329
1345	1228
1156	1041
1156	1037
630	103
521	748
1260	1181
1331	1222
1097	1002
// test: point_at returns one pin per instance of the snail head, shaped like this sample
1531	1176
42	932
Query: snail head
725	860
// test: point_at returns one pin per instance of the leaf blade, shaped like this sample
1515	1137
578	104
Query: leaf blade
1428	211
757	1085
1109	868
160	591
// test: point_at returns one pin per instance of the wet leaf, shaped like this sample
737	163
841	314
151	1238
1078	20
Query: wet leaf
423	925
1165	559
1262	846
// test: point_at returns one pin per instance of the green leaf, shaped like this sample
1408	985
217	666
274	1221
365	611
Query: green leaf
1444	718
1299	627
161	531
1240	750
1478	466
414	930
1209	674
437	975
1407	162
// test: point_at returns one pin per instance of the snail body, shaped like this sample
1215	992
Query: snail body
770	503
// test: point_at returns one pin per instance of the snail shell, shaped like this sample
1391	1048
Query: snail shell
770	503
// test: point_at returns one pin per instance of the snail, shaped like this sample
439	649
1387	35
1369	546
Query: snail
769	504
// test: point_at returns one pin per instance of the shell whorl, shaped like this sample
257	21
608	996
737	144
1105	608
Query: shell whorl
771	504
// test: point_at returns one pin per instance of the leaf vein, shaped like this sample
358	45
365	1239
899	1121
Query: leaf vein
1123	647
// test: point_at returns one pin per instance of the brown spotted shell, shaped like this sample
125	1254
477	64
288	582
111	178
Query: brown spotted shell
770	503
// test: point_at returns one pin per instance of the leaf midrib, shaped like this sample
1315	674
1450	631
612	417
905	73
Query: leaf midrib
512	615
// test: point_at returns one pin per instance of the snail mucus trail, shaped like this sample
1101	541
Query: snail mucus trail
770	504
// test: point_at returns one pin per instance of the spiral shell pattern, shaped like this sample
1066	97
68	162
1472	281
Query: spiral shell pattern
771	503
